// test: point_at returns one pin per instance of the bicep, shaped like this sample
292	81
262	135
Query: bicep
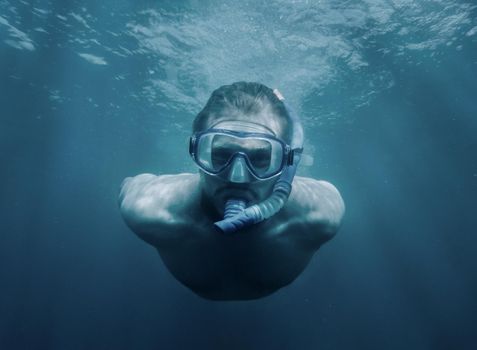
309	235
132	188
143	204
158	229
329	208
323	209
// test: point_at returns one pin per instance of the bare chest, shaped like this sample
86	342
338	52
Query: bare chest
244	265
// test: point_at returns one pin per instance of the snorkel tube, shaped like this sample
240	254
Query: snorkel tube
237	216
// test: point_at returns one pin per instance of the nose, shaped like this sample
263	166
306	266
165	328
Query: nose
239	172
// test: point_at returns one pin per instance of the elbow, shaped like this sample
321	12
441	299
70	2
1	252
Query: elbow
328	229
142	226
329	215
130	215
339	211
336	215
132	197
334	207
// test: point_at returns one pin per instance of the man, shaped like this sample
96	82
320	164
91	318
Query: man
237	230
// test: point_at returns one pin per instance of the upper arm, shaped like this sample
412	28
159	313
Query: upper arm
322	209
329	209
136	199
146	204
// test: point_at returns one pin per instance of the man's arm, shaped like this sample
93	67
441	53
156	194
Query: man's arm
324	210
152	206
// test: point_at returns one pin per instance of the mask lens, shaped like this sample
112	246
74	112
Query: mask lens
260	159
263	155
223	148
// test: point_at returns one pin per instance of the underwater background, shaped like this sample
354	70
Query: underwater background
94	91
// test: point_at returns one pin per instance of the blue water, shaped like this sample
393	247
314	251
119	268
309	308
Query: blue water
92	92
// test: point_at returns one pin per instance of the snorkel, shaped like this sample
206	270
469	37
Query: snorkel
237	216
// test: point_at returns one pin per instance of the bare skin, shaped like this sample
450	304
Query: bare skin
175	214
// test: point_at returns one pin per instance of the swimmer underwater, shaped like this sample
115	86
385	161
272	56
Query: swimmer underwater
245	225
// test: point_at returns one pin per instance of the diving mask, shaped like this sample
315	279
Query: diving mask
214	150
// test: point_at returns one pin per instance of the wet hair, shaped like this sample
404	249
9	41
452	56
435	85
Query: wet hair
252	102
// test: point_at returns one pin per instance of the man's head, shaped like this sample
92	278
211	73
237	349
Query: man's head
246	129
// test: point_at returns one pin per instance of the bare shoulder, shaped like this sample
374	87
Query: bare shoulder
162	190
149	203
319	202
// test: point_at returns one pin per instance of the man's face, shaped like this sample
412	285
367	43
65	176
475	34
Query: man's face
236	181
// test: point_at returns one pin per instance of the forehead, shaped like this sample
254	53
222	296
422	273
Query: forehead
264	122
246	126
225	142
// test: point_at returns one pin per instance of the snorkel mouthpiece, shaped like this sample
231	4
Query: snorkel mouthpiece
234	207
237	216
244	218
